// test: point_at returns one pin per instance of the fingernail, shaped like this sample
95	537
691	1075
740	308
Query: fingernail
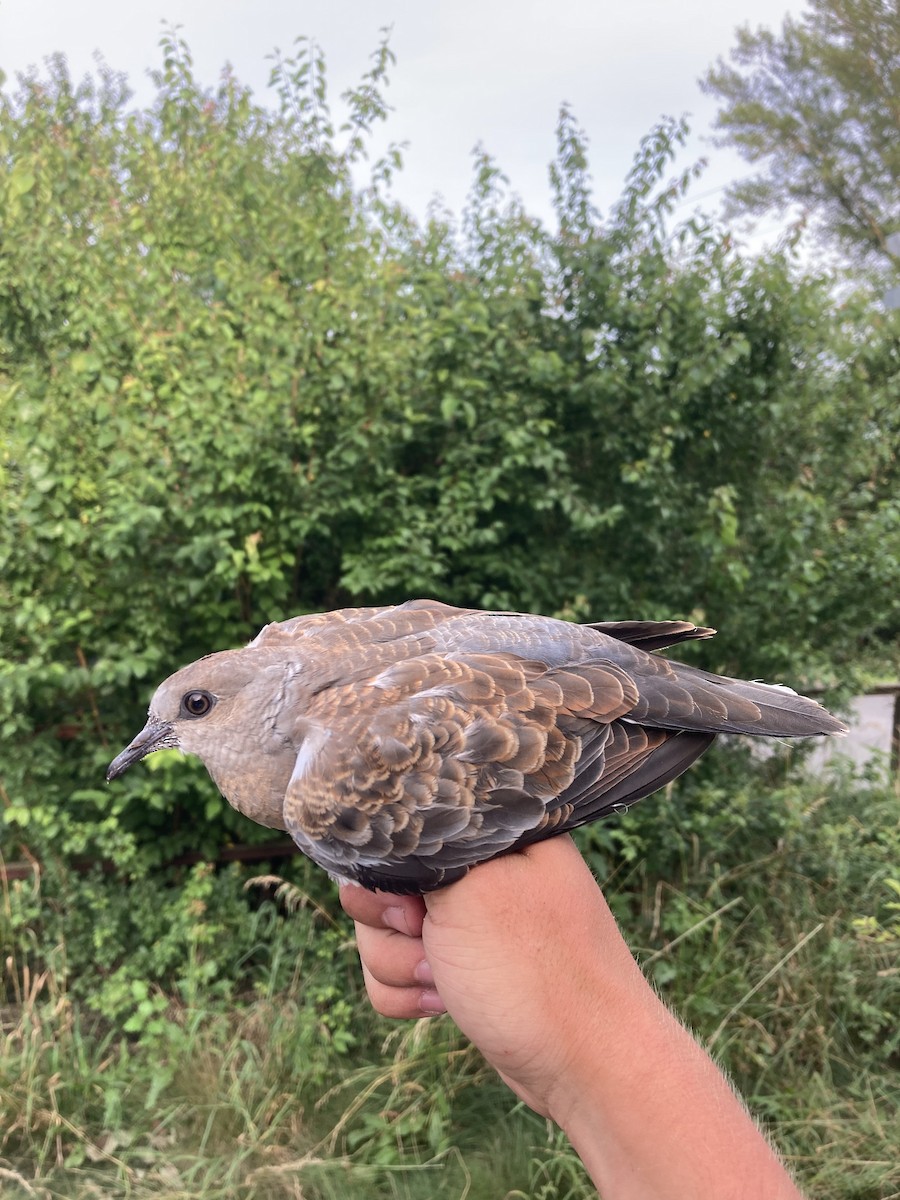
431	1004
395	918
423	973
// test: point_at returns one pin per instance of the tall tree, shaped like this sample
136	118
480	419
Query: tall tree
818	107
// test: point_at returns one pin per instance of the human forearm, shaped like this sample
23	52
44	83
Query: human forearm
526	956
651	1115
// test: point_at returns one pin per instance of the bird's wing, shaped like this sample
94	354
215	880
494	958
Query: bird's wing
443	761
671	695
652	635
357	626
350	645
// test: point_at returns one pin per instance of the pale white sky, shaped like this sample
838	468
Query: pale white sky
467	71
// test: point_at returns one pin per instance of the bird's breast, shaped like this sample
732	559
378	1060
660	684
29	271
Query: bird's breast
254	784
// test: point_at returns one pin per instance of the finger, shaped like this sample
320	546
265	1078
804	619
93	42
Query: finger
392	958
406	1003
383	910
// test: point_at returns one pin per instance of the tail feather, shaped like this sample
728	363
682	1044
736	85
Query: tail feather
784	712
675	696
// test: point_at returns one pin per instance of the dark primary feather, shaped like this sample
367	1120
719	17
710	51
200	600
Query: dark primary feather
402	745
652	635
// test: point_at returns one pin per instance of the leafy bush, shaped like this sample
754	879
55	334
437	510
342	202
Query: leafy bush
235	385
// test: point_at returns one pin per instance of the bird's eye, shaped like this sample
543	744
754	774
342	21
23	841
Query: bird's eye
196	704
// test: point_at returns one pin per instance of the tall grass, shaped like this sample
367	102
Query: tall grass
775	942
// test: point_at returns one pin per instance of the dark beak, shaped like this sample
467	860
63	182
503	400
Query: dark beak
156	735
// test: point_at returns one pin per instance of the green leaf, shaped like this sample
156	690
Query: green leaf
21	180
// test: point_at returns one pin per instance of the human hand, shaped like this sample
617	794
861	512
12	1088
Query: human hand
522	947
525	955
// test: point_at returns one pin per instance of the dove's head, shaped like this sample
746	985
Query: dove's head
225	709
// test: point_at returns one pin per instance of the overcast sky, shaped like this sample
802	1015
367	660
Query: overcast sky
467	71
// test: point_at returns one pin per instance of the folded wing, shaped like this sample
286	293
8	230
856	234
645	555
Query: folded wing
442	762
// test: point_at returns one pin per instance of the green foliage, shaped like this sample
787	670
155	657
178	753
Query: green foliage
871	928
751	933
234	385
816	108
